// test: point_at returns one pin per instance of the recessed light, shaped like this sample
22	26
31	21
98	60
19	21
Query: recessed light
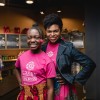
41	12
29	1
59	11
2	2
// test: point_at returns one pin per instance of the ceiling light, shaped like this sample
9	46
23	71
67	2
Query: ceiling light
29	1
2	2
59	11
41	12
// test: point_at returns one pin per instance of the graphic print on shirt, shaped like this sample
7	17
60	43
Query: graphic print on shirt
28	75
50	53
30	65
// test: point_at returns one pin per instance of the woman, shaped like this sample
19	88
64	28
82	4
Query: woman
64	54
35	70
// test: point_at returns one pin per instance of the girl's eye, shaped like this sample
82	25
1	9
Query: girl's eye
28	37
35	37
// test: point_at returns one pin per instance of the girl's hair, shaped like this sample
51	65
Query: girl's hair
52	19
36	26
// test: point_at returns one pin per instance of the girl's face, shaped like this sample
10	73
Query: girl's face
53	33
34	40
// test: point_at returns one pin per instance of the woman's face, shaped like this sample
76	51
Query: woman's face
34	39
53	33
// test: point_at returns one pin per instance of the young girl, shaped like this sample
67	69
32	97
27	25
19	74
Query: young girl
35	70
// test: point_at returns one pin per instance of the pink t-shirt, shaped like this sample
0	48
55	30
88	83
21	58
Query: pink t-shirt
52	50
61	91
35	68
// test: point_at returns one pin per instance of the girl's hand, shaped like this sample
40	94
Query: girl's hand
21	87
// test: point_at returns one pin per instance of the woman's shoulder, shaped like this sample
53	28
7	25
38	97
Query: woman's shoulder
45	57
67	44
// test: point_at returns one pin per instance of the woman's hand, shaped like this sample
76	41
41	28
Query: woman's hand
60	79
21	52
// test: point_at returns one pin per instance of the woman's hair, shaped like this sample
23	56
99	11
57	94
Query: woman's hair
52	19
36	26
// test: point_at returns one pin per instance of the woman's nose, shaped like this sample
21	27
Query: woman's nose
52	33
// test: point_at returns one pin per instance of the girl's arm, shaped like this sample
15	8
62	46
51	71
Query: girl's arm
18	75
50	87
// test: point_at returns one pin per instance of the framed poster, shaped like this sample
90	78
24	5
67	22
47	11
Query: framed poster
23	41
65	36
12	41
77	38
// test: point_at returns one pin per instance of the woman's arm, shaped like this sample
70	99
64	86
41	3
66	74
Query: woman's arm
88	66
50	87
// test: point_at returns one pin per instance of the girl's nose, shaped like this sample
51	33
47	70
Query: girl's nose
33	39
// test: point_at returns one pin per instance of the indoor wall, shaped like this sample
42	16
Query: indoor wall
92	48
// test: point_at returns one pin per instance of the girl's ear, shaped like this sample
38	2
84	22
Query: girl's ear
41	40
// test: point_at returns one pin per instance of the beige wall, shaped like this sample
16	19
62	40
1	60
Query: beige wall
73	24
25	18
14	17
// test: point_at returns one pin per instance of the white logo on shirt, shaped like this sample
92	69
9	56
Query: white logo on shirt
50	54
30	65
28	76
